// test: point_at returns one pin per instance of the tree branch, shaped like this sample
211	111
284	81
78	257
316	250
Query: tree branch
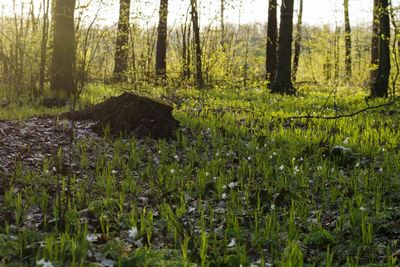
390	103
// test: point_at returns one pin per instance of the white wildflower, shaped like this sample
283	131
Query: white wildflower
357	165
91	237
380	169
172	171
346	141
223	196
383	149
319	168
133	232
114	172
281	167
296	170
362	208
232	243
232	184
273	206
44	263
176	157
249	158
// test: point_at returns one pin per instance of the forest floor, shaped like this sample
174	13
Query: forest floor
241	184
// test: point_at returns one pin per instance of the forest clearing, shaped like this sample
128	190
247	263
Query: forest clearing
202	142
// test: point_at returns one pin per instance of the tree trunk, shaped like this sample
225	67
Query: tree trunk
121	48
374	45
196	32
297	42
272	36
43	45
336	53
161	51
283	79
63	58
380	50
222	21
347	31
185	30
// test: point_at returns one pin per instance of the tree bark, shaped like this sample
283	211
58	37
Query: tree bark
121	48
222	22
283	78
297	42
380	56
161	51
374	44
336	53
348	46
197	44
63	57
43	45
272	36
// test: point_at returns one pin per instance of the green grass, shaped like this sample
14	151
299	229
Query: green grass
239	185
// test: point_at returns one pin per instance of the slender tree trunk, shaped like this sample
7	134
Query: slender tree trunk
336	53
381	53
63	58
197	44
121	48
43	45
222	21
272	36
185	48
297	42
161	50
283	79
188	52
395	48
348	46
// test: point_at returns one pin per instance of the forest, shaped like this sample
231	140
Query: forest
171	137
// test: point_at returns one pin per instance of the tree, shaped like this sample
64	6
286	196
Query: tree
197	45
63	55
272	36
380	51
347	31
282	82
161	51
222	22
43	45
297	42
121	49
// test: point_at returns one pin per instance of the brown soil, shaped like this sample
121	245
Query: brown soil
130	114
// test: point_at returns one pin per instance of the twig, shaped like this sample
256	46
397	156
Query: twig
343	115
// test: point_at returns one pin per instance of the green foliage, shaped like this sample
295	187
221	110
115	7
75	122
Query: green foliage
241	184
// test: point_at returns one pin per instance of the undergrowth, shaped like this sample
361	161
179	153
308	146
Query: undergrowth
240	185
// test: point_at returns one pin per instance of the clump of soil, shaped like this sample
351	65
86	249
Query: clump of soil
130	114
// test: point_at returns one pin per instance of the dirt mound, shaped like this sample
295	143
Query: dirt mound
130	114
